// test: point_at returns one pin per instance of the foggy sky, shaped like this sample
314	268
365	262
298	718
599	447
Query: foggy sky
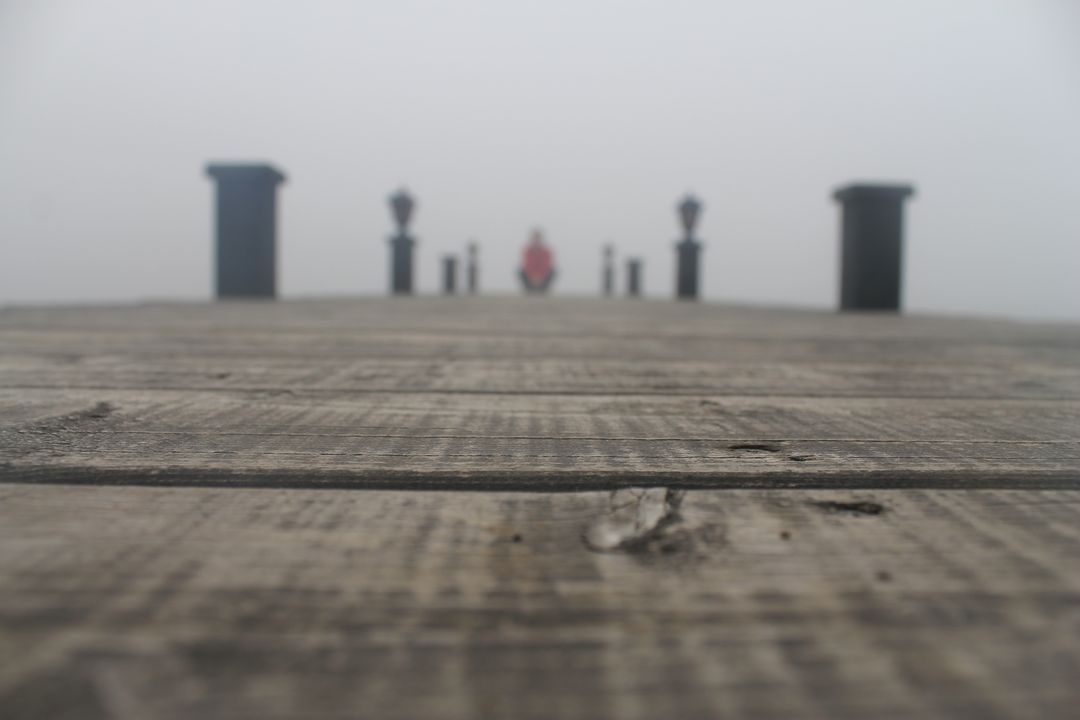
589	119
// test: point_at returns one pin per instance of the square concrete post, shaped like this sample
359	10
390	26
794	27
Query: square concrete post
246	229
871	240
633	277
450	275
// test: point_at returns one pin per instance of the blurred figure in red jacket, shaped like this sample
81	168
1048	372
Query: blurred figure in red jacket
538	268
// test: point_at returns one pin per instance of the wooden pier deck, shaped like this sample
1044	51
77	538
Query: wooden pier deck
536	508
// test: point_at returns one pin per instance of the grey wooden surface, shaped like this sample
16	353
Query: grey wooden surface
534	393
506	507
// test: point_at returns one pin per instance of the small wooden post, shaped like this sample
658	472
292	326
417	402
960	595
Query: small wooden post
246	229
687	251
401	245
609	271
633	277
871	245
450	275
473	269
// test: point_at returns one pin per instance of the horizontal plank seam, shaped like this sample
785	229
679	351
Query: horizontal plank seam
622	393
748	455
553	482
740	438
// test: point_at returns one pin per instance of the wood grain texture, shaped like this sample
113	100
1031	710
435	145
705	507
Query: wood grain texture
272	510
522	393
550	376
523	329
395	440
214	603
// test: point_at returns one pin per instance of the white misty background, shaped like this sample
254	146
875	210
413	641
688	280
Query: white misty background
589	119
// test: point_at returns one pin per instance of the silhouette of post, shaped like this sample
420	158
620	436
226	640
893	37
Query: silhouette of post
472	271
609	271
633	277
449	275
871	241
687	251
401	245
246	229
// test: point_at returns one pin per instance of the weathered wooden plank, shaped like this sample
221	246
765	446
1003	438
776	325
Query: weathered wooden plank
559	377
417	440
524	316
704	345
406	461
512	415
517	346
505	327
183	602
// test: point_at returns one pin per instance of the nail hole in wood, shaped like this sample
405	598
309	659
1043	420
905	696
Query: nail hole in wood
859	507
100	411
756	447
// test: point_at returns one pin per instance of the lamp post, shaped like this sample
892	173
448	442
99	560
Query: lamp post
401	244
687	251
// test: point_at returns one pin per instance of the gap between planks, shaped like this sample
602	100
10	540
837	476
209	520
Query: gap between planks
556	482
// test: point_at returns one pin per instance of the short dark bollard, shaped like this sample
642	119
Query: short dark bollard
687	251
246	229
872	239
401	245
609	271
472	271
449	275
633	277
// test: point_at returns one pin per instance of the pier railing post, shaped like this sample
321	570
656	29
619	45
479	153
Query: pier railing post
401	245
687	251
609	271
633	277
473	270
871	241
246	229
450	275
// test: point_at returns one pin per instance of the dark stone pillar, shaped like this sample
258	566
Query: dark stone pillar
473	270
401	245
633	277
609	271
246	229
871	245
450	275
